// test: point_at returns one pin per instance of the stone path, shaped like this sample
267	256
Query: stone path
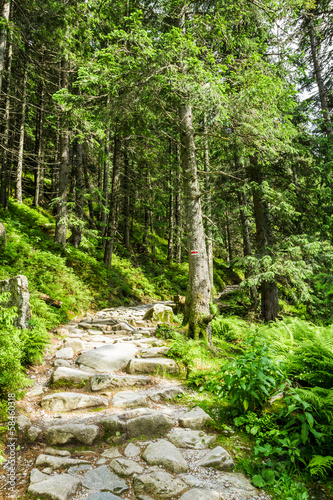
103	425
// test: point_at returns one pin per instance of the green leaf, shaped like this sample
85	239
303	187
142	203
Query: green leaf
305	432
268	476
258	481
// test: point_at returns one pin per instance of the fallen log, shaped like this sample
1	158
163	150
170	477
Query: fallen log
50	301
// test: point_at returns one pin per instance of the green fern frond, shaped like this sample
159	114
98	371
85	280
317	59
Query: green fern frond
320	466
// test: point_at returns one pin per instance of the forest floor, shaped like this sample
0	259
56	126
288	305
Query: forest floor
102	421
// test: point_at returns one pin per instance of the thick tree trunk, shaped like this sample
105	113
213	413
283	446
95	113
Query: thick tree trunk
114	202
6	166
88	190
208	200
39	191
21	140
319	79
106	181
3	38
76	235
264	242
61	219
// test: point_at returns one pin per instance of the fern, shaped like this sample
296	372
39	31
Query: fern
320	466
312	365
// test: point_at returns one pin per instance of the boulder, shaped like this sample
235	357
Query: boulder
105	380
200	494
154	352
132	450
19	297
152	365
61	362
63	433
102	495
67	401
36	476
108	358
57	462
159	483
195	418
125	467
187	438
235	484
23	424
57	487
162	452
151	425
128	399
103	479
70	377
123	327
218	458
64	353
32	434
166	394
75	344
159	313
113	426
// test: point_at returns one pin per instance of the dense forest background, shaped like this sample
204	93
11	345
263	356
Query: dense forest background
136	132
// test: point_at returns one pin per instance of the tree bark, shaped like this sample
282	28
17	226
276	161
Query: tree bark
5	156
21	140
76	235
178	218
61	218
106	181
126	210
114	201
3	38
39	148
171	231
208	200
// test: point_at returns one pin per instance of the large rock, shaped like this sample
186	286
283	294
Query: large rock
57	462
64	376
102	495
103	479
75	344
166	394
159	483
67	401
187	438
108	358
166	454
64	353
113	426
18	289
218	458
154	352
194	419
160	313
63	433
151	425
200	494
57	487
105	380
152	365
235	484
123	327
125	467
128	399
2	237
132	450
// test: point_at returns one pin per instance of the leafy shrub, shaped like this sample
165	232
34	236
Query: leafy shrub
311	364
230	329
164	332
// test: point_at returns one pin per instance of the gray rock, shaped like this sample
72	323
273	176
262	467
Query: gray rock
160	313
166	394
2	237
195	418
47	470
132	450
193	481
127	399
65	353
54	451
78	469
236	484
187	438
154	352
58	487
123	327
111	453
23	424
151	425
19	297
125	467
67	401
37	390
166	454
56	462
69	376
200	494
103	479
36	476
62	331
152	365
75	344
159	483
102	495
218	458
61	362
104	380
108	358
113	426
63	433
33	433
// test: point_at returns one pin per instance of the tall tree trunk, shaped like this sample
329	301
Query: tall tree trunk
178	218
264	241
39	148
208	200
106	181
126	210
227	226
5	156
88	190
61	218
198	292
319	79
3	38
21	140
114	202
76	235
171	235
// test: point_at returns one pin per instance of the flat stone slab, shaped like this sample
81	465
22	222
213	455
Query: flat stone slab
152	365
103	479
102	495
108	358
159	483
166	454
154	352
195	418
57	462
218	458
235	483
111	453
151	425
58	487
187	438
65	353
61	362
105	380
123	327
125	467
200	494
132	450
127	399
63	433
67	401
166	394
76	344
69	376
